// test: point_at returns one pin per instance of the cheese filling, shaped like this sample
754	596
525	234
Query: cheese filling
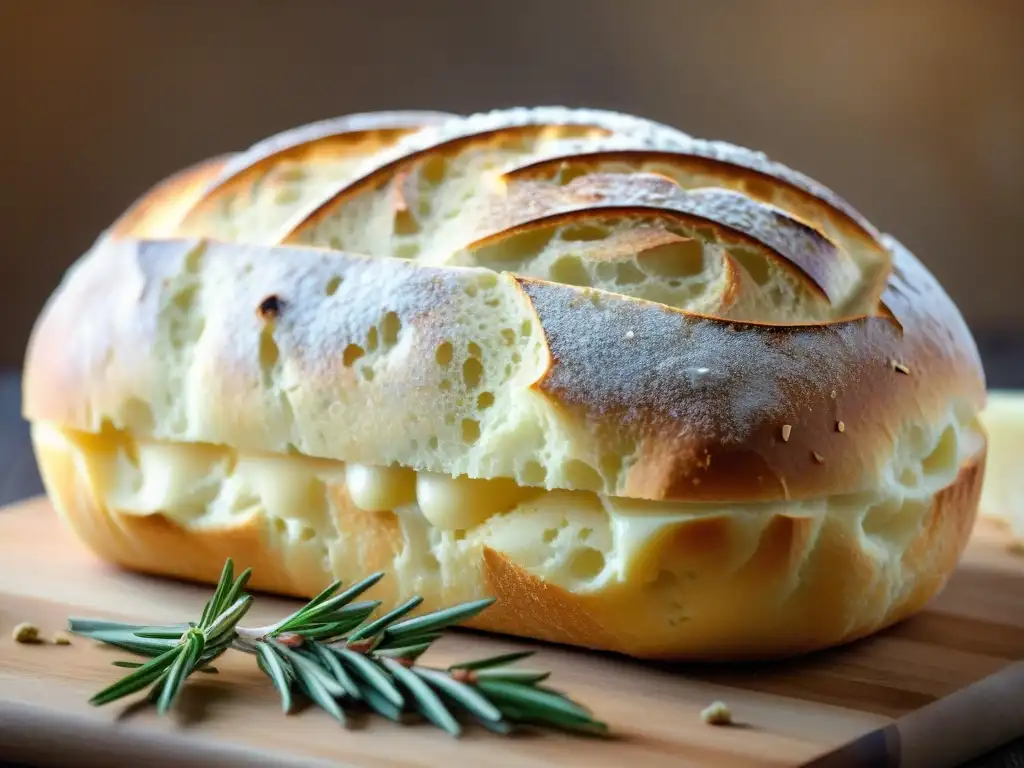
580	540
1002	495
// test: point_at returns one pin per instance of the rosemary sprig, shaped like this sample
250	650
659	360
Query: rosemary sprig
332	653
176	651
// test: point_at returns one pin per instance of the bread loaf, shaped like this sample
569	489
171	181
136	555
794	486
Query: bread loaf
658	395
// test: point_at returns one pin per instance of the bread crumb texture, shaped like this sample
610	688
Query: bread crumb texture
543	354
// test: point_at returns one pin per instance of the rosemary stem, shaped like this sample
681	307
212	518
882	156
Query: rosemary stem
254	634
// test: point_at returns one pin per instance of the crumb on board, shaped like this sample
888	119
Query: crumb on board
26	633
787	429
61	638
717	713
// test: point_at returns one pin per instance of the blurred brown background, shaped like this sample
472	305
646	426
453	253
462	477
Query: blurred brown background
912	109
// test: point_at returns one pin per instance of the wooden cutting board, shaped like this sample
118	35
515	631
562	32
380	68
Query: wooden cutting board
934	691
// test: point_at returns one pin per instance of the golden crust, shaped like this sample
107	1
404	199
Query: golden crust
807	584
346	137
159	212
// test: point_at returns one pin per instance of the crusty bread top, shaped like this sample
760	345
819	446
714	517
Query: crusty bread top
573	298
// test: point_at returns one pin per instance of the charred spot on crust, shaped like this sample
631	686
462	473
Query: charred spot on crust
270	307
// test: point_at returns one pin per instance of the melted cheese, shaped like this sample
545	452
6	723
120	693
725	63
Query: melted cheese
453	503
580	540
377	489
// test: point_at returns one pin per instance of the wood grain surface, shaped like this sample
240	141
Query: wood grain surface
934	691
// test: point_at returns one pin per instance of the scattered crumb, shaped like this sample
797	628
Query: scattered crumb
629	334
834	394
718	713
786	429
61	638
840	427
26	633
900	367
818	457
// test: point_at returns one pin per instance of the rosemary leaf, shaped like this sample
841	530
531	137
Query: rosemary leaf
136	664
163	633
333	604
316	691
307	669
129	642
286	622
153	696
472	700
212	607
375	627
274	668
138	679
513	712
81	626
493	661
183	666
372	675
427	702
208	656
351	616
238	588
541	705
225	622
410	652
383	706
405	641
359	587
326	632
530	697
329	591
557	720
437	620
520	676
329	659
503	727
351	610
316	607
